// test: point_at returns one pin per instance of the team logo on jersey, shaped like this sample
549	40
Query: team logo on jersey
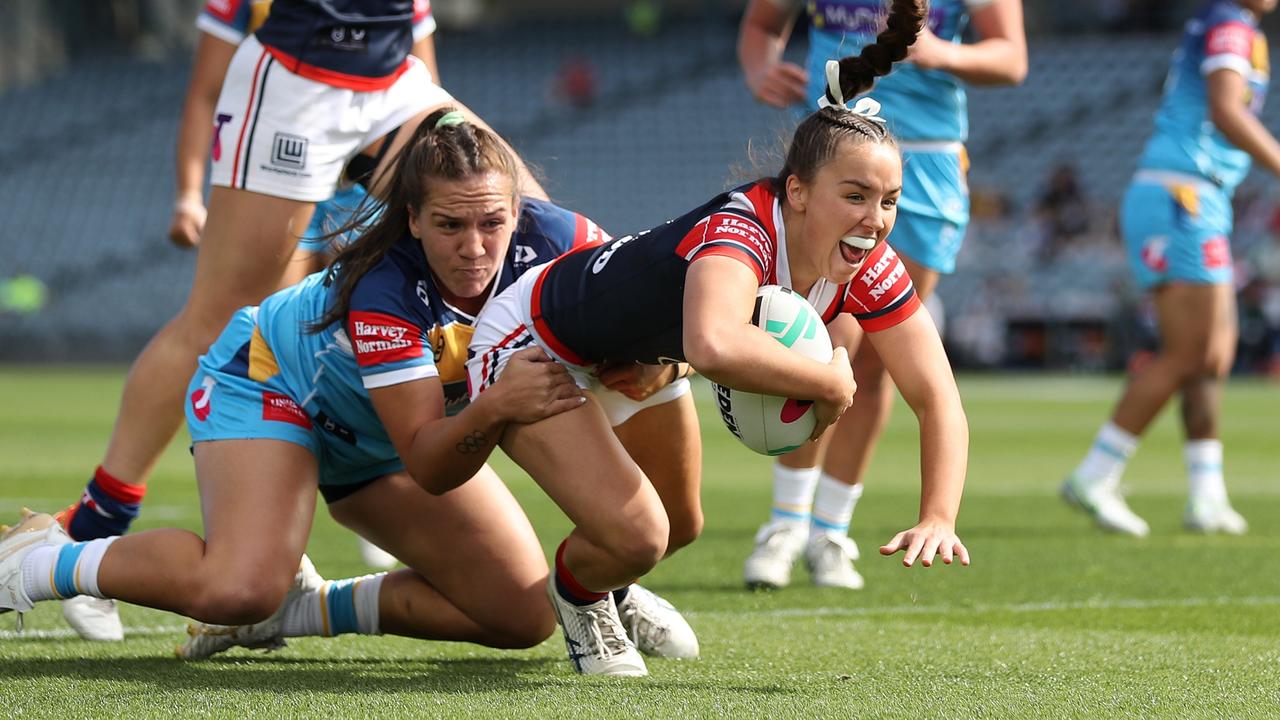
218	122
282	408
348	39
201	399
289	151
525	255
1153	253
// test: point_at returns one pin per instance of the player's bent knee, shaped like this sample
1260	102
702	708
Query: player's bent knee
685	528
236	603
638	548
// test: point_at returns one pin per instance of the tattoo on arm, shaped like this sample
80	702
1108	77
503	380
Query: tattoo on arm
476	441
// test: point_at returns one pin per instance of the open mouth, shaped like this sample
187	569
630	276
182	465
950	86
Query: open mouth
854	249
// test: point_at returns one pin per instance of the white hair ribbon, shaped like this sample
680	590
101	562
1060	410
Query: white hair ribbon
865	107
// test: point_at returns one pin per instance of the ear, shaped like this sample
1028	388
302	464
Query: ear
797	193
414	229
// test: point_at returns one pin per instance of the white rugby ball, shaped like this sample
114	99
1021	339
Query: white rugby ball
766	423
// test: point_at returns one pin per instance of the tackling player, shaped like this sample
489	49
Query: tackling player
355	379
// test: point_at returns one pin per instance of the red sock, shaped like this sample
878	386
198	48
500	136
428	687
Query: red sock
568	586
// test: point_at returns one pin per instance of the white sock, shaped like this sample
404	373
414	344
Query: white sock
1110	452
53	572
833	506
793	494
337	607
1204	469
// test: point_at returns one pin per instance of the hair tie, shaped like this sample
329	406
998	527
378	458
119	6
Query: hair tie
453	117
866	108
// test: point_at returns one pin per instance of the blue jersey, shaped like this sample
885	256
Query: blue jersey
1222	35
919	105
399	328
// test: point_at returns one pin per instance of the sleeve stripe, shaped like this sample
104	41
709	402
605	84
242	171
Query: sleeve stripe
210	26
898	302
733	252
1227	61
403	375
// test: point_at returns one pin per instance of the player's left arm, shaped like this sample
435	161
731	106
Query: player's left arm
912	353
999	57
1228	92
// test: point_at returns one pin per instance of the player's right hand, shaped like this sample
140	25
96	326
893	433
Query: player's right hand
829	410
780	85
535	387
188	223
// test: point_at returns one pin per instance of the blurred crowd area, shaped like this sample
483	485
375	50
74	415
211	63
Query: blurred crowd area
633	111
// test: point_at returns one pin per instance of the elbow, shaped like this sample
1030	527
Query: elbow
704	353
1018	73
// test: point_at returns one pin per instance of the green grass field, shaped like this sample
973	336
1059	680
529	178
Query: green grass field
1052	620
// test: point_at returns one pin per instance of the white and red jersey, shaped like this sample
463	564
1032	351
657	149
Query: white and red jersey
354	44
623	301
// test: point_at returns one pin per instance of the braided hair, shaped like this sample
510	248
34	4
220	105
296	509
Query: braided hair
819	135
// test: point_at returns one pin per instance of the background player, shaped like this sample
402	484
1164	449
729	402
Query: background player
685	291
812	508
1176	220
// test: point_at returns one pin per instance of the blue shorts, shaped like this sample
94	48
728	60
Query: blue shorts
1177	232
331	215
226	402
933	212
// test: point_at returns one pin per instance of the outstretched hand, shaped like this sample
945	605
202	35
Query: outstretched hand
926	540
535	387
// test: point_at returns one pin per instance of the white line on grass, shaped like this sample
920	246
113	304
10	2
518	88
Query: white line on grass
68	633
1101	604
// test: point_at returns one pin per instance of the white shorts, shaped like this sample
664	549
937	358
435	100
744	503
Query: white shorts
505	327
284	135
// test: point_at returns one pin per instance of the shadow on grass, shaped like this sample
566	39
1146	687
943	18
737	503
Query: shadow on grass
306	676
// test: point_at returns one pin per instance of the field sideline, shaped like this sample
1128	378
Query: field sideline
1053	619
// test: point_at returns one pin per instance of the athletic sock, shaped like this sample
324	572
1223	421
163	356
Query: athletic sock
336	607
1204	469
793	494
107	507
54	572
833	506
1110	452
620	595
568	587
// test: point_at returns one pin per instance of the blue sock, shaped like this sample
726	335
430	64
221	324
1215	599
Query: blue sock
107	508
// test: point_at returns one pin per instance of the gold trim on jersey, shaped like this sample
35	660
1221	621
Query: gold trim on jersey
449	343
262	362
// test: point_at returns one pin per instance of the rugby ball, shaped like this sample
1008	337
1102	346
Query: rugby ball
769	424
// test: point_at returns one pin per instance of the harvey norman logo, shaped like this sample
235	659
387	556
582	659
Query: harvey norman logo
380	338
371	337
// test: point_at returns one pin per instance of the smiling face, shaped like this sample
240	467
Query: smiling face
465	228
848	207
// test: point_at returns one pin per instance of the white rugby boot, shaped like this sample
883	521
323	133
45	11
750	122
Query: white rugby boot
655	626
778	546
830	561
594	636
35	530
1105	505
205	640
1207	515
93	618
376	557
